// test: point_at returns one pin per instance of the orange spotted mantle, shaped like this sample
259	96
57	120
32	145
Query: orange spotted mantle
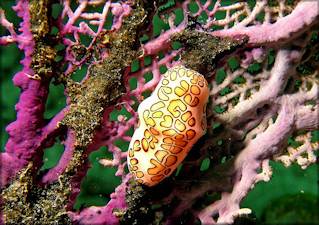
171	120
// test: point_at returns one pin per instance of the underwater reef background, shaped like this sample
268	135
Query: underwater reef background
74	72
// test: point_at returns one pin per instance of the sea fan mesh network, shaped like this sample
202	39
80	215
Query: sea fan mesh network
264	92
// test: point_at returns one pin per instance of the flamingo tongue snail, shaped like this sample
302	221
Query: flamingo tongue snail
171	121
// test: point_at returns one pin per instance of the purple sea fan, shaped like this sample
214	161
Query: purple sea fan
260	60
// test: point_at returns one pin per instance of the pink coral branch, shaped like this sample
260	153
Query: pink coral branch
22	144
270	89
304	15
5	40
161	42
56	171
104	214
260	148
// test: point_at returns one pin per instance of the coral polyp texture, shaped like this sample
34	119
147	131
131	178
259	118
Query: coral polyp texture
260	60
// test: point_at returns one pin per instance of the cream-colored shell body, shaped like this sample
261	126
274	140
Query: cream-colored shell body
171	120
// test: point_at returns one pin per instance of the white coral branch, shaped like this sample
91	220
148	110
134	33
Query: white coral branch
296	153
